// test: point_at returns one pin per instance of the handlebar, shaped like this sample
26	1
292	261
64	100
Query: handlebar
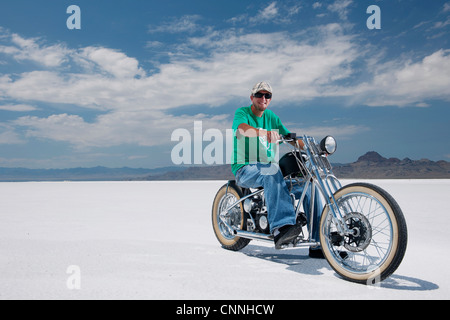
290	137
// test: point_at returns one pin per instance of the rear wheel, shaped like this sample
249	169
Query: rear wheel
376	243
234	218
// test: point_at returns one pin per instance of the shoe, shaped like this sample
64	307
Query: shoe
286	235
317	253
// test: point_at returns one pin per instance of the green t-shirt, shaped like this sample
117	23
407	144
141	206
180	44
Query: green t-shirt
254	150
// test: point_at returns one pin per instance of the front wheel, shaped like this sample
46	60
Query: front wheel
377	236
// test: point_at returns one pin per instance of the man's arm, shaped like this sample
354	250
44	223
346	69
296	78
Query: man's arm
248	131
251	132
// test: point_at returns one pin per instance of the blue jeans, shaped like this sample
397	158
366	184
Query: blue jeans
280	209
318	207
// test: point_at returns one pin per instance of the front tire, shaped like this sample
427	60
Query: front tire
226	196
377	244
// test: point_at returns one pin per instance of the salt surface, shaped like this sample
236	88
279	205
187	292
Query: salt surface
154	240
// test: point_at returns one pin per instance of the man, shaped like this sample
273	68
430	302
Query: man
257	130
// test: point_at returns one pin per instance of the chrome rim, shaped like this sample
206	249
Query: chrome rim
232	217
369	241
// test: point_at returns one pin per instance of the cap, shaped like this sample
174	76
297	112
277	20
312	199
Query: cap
260	86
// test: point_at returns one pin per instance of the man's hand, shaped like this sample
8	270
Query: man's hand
272	136
301	144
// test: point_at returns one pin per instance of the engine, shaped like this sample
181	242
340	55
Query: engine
256	208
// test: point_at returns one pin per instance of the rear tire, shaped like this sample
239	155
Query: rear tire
225	197
378	244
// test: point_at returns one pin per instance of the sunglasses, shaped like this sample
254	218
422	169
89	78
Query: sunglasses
268	96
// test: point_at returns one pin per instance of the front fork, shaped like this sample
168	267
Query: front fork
328	186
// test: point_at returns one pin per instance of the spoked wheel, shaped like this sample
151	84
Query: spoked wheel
235	218
376	241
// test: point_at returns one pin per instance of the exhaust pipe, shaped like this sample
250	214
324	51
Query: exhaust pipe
253	236
269	238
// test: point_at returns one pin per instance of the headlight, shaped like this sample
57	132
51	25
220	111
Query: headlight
328	145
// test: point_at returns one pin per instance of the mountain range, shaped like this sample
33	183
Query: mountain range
369	166
80	174
373	166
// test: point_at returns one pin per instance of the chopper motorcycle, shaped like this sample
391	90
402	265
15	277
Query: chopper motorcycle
363	233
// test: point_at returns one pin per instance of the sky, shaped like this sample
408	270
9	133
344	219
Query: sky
115	90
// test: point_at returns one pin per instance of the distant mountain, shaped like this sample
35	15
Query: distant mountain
369	166
80	174
373	166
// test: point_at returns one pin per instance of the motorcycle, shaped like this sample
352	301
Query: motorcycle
363	232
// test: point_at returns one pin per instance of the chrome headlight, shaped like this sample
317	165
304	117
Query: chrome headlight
328	145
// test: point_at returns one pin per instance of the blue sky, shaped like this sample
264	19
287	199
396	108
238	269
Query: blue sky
113	93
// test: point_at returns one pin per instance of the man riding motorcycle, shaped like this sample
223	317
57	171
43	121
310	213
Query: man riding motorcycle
257	132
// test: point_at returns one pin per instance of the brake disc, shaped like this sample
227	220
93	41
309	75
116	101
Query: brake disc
360	234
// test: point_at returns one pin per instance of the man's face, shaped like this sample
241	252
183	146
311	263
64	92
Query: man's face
262	103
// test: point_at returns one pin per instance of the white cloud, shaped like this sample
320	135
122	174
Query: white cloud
233	63
118	128
441	24
402	84
187	23
340	7
9	136
154	44
17	107
268	13
299	69
275	12
137	106
52	87
113	62
29	49
446	7
221	66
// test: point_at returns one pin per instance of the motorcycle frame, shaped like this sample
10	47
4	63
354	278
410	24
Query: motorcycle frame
318	175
